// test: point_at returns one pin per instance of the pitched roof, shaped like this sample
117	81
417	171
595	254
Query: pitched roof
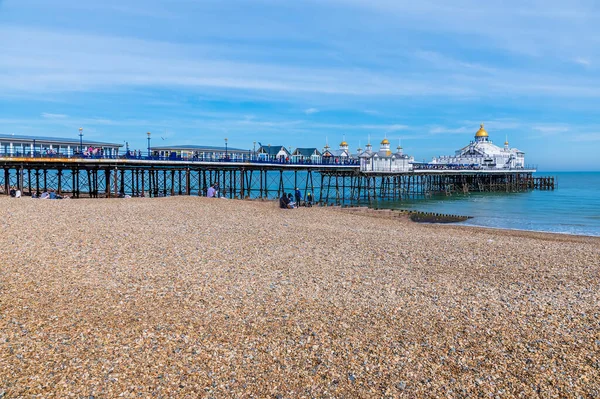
57	140
272	149
306	152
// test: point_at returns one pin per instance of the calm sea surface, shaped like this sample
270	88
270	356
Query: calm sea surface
573	208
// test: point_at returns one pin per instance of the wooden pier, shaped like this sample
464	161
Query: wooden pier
329	183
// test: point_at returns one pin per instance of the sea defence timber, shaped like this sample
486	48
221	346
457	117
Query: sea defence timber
328	183
415	216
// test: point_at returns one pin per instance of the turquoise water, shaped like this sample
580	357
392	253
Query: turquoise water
573	208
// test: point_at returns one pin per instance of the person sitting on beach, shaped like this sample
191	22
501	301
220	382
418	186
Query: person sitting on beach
291	202
210	193
309	200
12	192
45	195
284	202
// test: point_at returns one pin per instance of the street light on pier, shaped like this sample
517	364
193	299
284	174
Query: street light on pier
254	149
226	148
81	140
148	143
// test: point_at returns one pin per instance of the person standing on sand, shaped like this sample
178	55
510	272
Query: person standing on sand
309	200
298	196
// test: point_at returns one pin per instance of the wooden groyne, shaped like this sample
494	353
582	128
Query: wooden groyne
415	216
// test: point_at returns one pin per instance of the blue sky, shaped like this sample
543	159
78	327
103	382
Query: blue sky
298	73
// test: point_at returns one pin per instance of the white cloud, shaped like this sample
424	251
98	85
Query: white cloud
311	111
582	61
48	115
43	61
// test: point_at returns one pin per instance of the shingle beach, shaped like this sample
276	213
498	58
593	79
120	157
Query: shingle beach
189	297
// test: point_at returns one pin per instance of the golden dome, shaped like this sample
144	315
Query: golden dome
506	143
481	132
343	143
385	141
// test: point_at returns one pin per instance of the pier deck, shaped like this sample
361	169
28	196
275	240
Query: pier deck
329	183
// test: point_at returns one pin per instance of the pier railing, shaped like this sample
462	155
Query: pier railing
229	159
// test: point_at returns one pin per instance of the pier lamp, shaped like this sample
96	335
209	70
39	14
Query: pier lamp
148	143
81	140
254	149
226	148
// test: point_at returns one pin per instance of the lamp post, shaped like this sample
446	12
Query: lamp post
148	143
81	140
225	148
254	149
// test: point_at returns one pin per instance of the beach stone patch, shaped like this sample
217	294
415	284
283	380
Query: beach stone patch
194	297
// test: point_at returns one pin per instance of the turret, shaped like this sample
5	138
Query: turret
385	146
481	134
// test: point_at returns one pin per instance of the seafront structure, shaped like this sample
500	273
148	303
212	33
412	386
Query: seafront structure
483	153
385	160
273	153
341	155
307	155
266	173
30	146
201	152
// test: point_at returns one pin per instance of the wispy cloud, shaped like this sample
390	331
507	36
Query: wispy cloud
311	111
48	115
582	61
584	137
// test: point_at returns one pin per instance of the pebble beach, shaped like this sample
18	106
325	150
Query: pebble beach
187	297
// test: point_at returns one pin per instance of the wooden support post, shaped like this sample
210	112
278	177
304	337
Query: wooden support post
172	183
116	182
20	179
6	181
107	183
29	180
188	180
37	180
59	177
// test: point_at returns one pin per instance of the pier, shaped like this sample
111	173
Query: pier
80	177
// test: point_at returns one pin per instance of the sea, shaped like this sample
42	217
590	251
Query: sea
572	208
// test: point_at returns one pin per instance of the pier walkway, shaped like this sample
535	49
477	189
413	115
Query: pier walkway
328	182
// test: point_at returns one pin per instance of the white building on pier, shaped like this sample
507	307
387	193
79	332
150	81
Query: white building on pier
483	153
13	145
385	160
